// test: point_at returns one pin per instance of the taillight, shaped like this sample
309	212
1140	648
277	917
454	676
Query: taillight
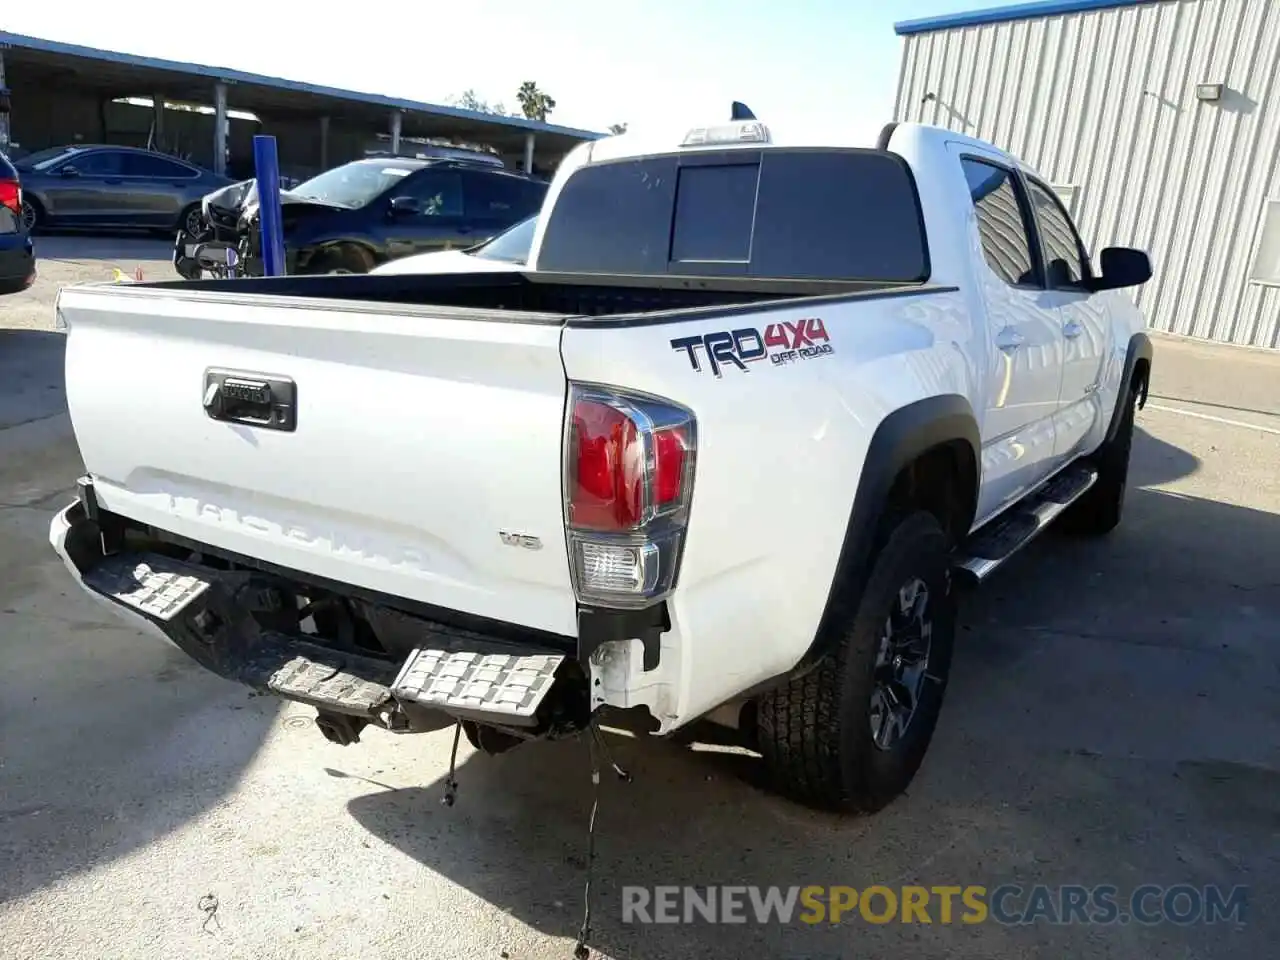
629	462
11	196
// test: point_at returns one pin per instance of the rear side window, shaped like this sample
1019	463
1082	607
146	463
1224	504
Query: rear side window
502	197
778	214
531	193
152	165
1002	224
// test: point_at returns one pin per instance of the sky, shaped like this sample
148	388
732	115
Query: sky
808	68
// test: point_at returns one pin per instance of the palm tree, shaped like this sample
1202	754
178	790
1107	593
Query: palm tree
535	104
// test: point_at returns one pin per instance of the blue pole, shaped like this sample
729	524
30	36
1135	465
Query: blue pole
267	170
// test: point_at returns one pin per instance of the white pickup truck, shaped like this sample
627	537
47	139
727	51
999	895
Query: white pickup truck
720	452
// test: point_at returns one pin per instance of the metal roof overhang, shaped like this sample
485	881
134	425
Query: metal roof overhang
52	64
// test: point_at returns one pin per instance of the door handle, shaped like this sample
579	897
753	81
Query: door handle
1010	339
255	401
1071	330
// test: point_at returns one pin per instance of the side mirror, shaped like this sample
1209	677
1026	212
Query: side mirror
405	206
1122	267
68	170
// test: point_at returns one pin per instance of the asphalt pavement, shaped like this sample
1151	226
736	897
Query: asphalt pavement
1114	718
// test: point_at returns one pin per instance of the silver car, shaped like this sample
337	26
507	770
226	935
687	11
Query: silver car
107	186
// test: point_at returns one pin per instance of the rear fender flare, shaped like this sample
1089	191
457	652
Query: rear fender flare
900	438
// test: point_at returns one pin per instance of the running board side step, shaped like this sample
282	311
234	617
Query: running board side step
991	545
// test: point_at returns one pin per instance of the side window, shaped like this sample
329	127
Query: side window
1063	251
488	197
498	197
1002	224
100	163
154	165
531	194
440	193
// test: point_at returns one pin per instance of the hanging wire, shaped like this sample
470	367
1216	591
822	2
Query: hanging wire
451	781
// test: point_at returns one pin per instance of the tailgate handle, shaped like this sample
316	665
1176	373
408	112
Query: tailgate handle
252	399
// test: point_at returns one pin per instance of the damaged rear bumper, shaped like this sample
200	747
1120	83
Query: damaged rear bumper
243	624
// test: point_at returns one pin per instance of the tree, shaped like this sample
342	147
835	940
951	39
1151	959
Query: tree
535	103
469	101
617	128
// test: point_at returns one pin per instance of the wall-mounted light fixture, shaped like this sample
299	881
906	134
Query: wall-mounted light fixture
1211	92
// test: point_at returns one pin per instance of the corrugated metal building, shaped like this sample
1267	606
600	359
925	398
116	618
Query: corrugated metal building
1158	121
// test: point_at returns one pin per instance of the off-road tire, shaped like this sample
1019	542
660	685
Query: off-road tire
1098	512
815	733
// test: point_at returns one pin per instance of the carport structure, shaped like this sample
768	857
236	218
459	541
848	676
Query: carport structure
66	93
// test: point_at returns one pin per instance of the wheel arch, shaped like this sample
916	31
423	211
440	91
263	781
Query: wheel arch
37	203
1137	372
186	209
942	427
339	246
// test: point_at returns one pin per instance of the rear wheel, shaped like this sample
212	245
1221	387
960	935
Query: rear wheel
1099	511
32	214
13	286
850	734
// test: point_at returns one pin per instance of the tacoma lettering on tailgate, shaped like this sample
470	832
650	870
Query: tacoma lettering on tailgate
786	342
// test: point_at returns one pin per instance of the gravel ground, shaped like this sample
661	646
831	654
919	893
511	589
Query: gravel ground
70	258
1114	718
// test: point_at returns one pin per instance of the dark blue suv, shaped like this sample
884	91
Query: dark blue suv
17	255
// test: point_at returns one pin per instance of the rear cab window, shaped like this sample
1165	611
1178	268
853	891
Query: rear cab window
778	213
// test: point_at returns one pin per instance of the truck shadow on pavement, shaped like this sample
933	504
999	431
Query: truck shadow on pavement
1111	719
109	739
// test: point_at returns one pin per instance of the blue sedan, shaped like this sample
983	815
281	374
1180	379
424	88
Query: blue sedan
17	257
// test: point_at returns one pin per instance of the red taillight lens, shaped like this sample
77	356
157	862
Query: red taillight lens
629	465
11	196
670	446
607	468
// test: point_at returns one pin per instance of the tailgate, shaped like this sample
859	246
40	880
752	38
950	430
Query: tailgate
423	456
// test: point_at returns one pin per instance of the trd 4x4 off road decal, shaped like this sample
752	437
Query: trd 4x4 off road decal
785	342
